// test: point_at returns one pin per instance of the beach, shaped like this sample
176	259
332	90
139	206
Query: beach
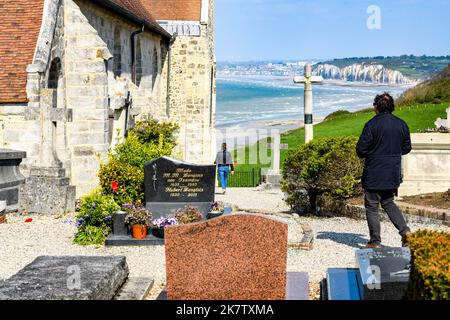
250	108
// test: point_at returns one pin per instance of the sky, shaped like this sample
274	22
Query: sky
261	30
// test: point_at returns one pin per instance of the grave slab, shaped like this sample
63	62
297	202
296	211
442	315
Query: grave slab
67	278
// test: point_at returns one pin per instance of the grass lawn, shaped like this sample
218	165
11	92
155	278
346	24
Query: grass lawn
418	117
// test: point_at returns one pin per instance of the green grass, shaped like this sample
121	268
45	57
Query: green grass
418	117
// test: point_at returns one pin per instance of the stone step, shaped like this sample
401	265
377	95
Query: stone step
135	288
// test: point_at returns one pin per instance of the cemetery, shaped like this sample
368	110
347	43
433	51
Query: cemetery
153	229
84	216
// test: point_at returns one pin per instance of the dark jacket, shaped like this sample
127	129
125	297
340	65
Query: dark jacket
384	140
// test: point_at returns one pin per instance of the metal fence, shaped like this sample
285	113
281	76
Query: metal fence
244	179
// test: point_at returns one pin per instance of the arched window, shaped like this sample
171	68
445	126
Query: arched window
117	64
138	63
155	69
54	74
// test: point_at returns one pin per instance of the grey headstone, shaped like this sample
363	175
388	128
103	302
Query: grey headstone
384	272
10	176
67	278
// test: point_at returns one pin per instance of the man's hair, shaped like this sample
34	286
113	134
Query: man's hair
384	103
224	145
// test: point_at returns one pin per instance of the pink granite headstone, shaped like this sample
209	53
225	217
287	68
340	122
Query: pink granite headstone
234	257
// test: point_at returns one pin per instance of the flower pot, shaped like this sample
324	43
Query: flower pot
158	232
139	231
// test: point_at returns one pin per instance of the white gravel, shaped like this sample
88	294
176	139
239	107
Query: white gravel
336	240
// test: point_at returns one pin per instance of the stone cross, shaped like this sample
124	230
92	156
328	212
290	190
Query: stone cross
443	122
276	147
308	80
49	116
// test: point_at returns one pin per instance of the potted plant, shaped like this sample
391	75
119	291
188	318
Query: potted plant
216	210
188	214
138	218
160	224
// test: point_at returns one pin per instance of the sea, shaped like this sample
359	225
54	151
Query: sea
261	102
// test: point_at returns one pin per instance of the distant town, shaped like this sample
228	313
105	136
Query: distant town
414	67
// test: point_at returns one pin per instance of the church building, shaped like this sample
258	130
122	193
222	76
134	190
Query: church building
101	65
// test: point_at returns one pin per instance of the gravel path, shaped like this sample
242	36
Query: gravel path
336	240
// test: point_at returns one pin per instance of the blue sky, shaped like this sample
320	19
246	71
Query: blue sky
322	29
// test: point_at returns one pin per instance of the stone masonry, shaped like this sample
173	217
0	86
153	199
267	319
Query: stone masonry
84	53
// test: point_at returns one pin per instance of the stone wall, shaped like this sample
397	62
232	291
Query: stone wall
426	168
192	92
96	96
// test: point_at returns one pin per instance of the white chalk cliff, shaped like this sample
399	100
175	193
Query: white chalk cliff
374	73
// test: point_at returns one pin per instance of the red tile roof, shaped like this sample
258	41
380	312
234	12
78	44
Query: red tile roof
20	24
188	10
135	11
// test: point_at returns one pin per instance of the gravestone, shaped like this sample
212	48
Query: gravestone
233	257
171	184
273	176
384	272
47	190
10	177
67	278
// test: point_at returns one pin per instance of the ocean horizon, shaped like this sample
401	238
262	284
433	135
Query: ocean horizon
250	108
246	100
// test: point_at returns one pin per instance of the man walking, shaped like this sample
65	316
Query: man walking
224	161
384	140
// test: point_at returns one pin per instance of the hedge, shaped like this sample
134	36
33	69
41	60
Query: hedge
430	266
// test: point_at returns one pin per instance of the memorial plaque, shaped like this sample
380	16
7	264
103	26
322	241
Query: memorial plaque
171	184
384	272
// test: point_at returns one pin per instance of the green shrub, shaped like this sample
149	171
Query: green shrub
150	131
136	153
430	266
129	180
324	167
188	214
91	235
123	175
94	218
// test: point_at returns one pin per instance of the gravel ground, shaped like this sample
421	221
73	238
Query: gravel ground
336	240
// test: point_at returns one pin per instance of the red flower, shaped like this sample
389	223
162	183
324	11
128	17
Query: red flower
29	220
115	186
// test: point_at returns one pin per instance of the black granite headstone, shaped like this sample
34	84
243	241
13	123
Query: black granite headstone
171	184
384	272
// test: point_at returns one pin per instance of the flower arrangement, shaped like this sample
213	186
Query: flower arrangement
164	222
188	214
217	207
136	215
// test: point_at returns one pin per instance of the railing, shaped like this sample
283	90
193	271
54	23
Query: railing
244	179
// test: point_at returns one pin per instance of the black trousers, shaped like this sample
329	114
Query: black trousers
386	198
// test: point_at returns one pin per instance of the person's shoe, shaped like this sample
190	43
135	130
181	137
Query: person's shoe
405	237
373	246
